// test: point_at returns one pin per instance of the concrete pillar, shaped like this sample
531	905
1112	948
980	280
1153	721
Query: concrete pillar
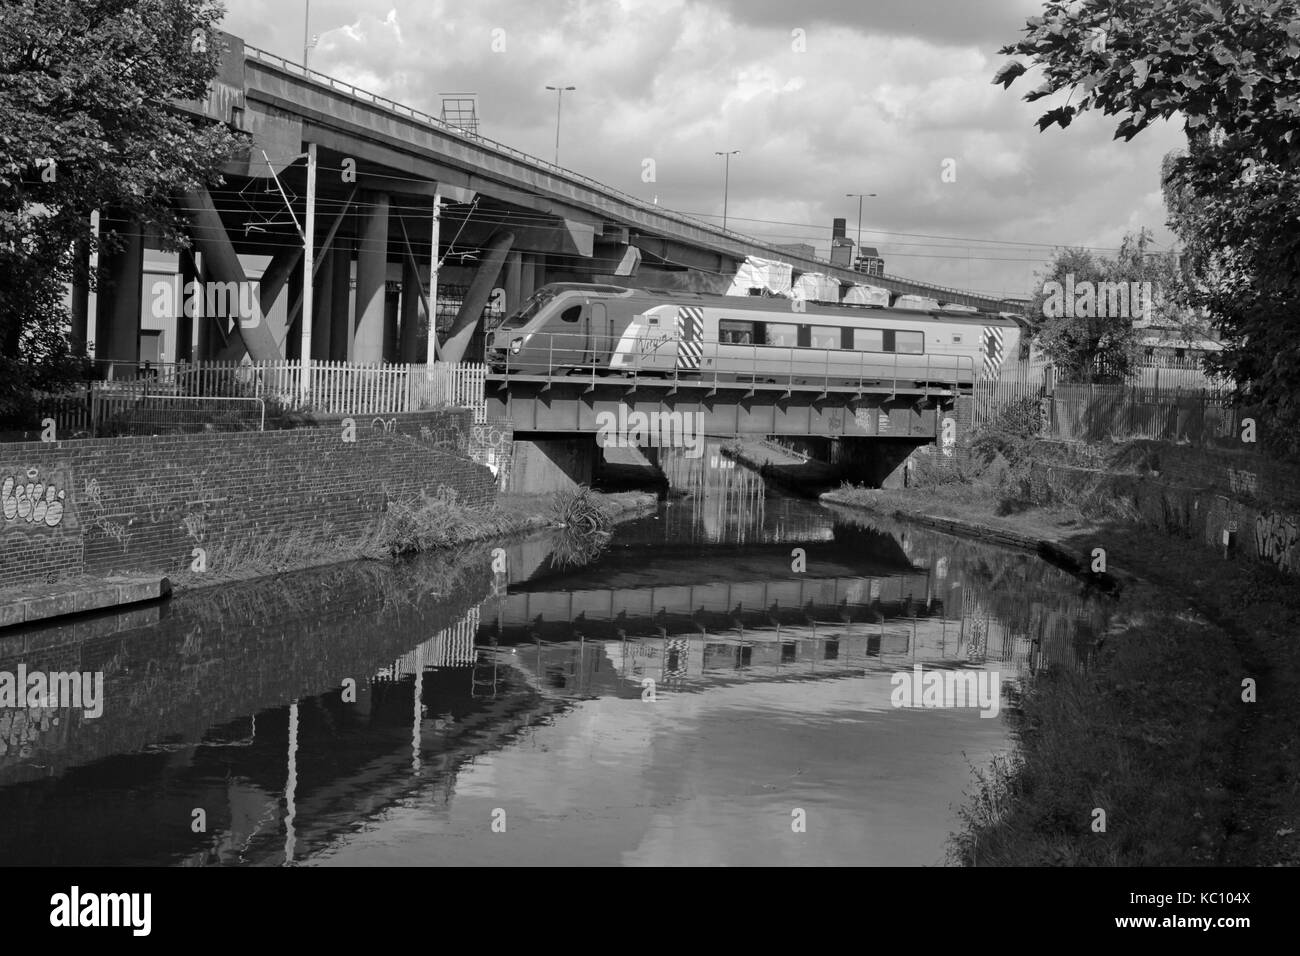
321	320
372	269
390	324
528	275
514	279
80	296
207	338
431	289
413	344
476	297
340	297
221	263
117	310
185	312
293	330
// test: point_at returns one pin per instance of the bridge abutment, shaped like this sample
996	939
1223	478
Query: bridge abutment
553	464
876	462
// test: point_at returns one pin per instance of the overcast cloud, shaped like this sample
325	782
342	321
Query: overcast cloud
883	92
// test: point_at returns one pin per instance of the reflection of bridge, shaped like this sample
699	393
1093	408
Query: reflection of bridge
717	606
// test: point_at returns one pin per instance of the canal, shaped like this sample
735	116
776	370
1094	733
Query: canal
713	685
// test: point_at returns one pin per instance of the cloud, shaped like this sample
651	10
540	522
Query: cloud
882	95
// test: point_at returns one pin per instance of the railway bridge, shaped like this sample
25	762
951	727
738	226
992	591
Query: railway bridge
565	425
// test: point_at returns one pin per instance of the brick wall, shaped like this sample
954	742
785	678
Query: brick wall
144	503
489	443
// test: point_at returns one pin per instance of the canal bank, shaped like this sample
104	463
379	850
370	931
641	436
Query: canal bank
185	510
1182	729
509	516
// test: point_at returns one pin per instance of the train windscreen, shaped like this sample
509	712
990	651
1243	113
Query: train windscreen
520	318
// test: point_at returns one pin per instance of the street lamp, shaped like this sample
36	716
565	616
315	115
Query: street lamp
860	196
559	95
306	40
726	181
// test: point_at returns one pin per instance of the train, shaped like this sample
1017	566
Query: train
571	328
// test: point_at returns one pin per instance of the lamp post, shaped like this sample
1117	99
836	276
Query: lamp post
559	96
860	196
726	181
306	39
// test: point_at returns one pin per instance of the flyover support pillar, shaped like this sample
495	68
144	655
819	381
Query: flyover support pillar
476	298
118	304
321	324
340	301
186	312
372	268
412	352
514	278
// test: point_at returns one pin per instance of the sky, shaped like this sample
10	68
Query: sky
821	98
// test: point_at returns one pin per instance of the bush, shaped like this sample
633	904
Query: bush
581	509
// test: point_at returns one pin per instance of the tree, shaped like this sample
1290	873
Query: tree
1093	336
1231	70
88	121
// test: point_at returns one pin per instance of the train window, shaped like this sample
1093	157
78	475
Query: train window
869	340
735	333
571	313
913	342
781	334
825	337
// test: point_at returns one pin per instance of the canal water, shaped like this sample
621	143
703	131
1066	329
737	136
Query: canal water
715	685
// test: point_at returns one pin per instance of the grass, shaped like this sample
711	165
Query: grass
1145	735
440	521
255	555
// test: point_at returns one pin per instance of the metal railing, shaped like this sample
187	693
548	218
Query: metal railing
399	109
346	388
123	413
753	365
1124	412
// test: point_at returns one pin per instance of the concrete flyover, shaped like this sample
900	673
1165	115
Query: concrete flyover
431	224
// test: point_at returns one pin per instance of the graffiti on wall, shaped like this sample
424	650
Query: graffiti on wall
490	446
1276	538
32	501
1242	481
449	438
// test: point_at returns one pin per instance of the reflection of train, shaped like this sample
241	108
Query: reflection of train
568	327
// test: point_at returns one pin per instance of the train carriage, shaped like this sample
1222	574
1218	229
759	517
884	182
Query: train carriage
586	328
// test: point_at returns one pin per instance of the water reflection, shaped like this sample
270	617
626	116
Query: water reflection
668	701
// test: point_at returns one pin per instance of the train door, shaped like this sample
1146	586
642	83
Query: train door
599	331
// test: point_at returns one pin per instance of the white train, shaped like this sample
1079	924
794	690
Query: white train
567	328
